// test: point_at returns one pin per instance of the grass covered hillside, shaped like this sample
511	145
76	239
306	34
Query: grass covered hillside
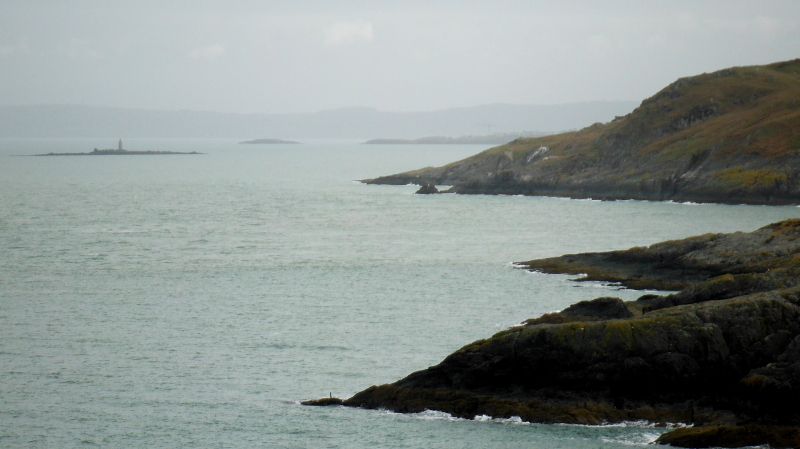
730	136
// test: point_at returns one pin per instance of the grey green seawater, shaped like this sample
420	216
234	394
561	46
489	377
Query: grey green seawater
192	301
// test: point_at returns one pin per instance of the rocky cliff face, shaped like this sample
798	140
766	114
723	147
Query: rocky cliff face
730	136
723	362
724	351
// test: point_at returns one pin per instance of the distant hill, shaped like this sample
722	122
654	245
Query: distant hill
492	139
731	136
350	123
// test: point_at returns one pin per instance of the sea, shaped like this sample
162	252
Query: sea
194	300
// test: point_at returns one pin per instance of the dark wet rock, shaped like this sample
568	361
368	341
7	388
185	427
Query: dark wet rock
732	436
689	363
426	189
603	308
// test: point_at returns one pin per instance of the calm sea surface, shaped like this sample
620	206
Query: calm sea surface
192	301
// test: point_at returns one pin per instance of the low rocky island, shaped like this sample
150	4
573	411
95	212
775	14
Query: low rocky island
732	136
722	354
97	152
267	141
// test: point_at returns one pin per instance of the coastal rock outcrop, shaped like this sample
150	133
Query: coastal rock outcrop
427	189
601	308
732	436
732	136
723	354
704	268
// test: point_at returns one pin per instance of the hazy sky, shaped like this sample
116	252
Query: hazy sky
304	56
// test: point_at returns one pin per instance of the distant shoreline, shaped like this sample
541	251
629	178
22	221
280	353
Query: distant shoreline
492	139
97	152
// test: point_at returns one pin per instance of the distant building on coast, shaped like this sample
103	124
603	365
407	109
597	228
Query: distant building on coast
120	144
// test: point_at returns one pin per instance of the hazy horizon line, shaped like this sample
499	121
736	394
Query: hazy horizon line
340	108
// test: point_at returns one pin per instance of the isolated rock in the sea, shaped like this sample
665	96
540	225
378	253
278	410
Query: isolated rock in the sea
726	137
725	351
427	189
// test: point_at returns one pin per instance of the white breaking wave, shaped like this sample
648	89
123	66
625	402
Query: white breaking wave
636	439
435	415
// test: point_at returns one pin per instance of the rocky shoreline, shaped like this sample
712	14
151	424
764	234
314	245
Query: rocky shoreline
722	354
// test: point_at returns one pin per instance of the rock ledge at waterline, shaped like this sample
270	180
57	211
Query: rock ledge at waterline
722	354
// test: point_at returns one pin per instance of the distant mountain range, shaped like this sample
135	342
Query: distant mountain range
354	123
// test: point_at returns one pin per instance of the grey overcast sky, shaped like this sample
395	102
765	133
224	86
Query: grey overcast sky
305	56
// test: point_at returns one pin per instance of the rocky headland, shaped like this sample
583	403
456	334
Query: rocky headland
731	136
721	354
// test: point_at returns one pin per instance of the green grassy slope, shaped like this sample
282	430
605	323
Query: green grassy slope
729	136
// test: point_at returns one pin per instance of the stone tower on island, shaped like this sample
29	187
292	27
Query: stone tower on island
120	144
